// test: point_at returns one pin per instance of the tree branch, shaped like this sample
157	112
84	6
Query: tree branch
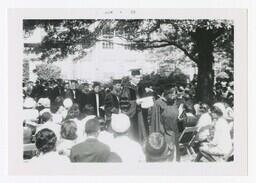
157	46
190	56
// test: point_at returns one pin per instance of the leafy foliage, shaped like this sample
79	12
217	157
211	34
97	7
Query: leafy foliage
66	37
203	41
162	82
178	78
181	34
47	71
63	38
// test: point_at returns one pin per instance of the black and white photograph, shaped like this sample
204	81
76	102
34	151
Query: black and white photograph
136	91
128	90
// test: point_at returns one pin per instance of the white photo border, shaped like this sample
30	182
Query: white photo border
16	166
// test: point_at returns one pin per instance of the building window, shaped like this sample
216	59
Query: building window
107	45
127	47
135	72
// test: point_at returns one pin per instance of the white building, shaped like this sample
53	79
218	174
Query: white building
106	60
109	58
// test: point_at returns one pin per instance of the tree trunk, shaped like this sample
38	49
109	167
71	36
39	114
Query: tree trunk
205	82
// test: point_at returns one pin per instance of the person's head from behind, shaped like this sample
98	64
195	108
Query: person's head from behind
92	127
120	124
56	104
45	117
73	112
156	148
218	110
45	140
68	130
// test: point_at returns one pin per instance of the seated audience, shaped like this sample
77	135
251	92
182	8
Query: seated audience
91	150
46	146
221	144
68	137
83	124
46	121
43	105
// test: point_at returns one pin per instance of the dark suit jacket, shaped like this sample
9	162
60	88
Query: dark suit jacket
70	94
92	101
38	92
83	99
57	91
91	150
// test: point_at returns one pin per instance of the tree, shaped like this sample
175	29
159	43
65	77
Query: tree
63	37
47	71
200	40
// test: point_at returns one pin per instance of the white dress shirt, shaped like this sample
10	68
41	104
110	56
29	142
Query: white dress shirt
129	150
222	136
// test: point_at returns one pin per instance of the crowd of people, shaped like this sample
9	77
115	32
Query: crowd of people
68	121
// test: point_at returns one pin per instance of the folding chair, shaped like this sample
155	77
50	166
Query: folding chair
29	150
187	139
29	147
